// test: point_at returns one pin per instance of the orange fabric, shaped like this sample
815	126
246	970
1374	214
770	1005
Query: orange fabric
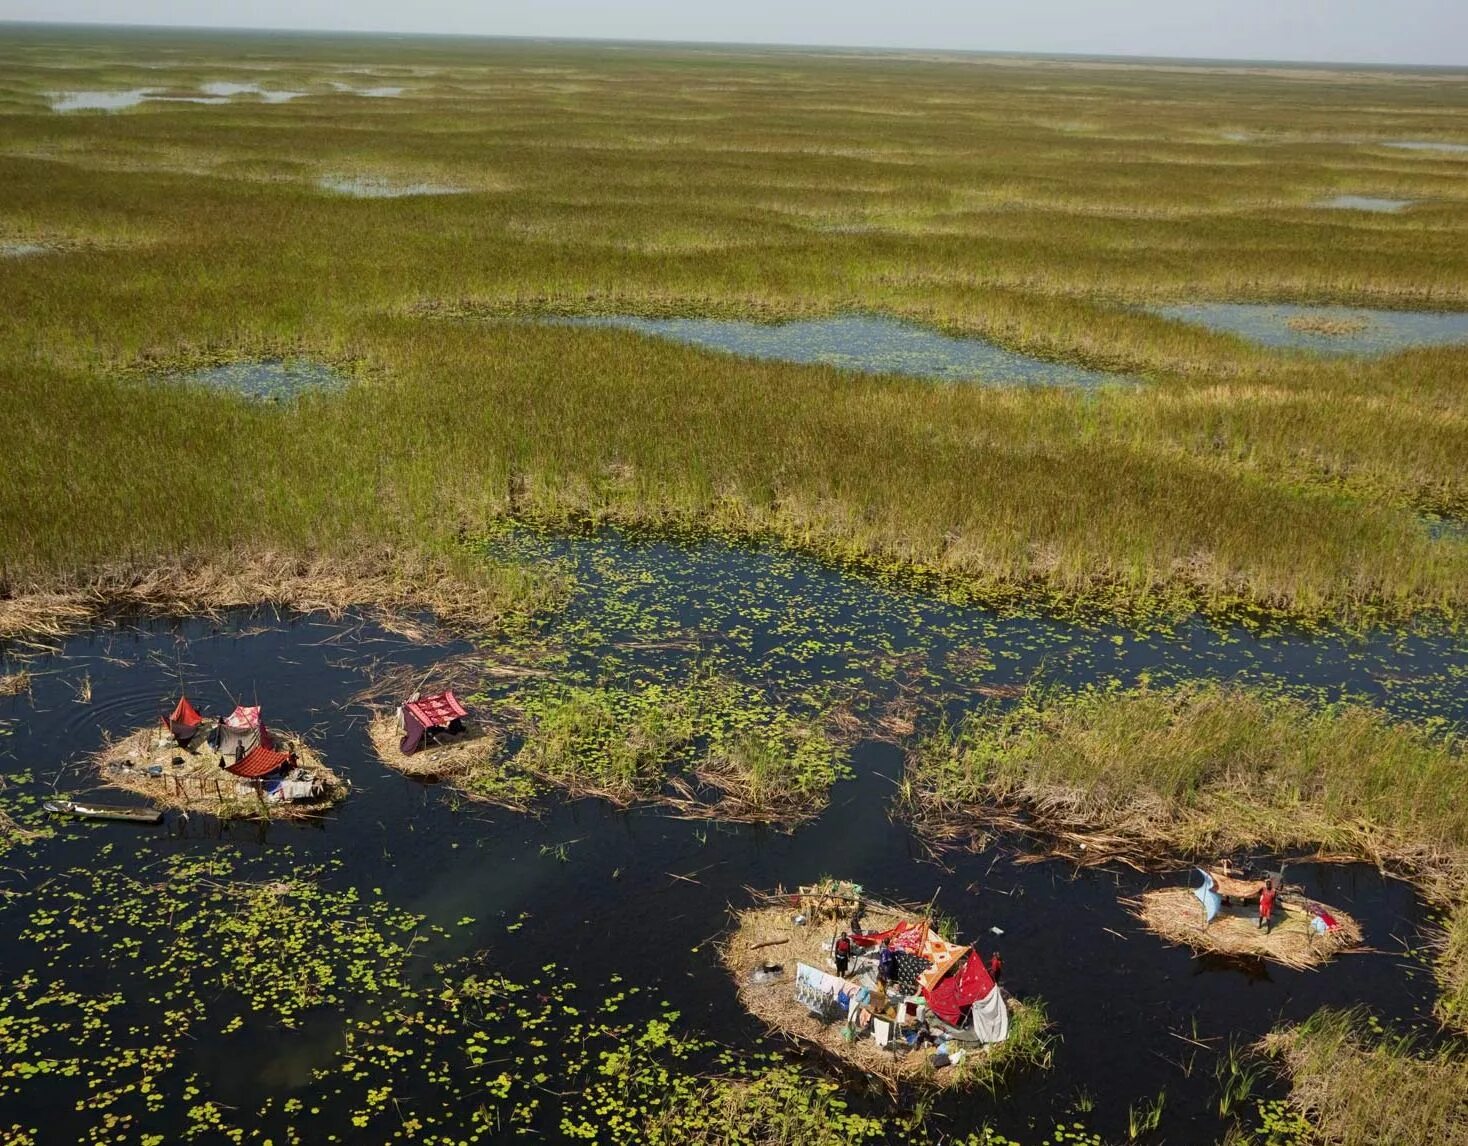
260	760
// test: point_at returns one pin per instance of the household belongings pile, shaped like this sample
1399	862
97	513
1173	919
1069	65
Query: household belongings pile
246	749
429	718
941	986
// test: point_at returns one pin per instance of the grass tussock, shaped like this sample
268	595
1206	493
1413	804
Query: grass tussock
765	934
1358	1089
1203	769
708	748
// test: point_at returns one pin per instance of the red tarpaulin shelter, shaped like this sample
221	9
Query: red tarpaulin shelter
246	745
440	713
259	761
183	721
959	989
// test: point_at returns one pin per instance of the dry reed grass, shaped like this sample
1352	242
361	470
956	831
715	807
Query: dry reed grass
200	785
15	683
1177	916
376	577
766	934
1316	324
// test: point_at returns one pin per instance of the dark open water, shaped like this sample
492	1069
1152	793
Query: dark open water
1123	1003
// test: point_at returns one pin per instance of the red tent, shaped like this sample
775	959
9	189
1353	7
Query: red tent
959	989
183	721
440	713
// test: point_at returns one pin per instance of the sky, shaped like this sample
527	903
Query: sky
1364	31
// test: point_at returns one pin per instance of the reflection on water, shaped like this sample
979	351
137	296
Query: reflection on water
866	344
1325	329
269	379
229	90
1365	203
373	187
1428	145
97	100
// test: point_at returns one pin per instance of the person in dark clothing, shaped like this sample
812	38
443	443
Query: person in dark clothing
1266	906
841	949
996	967
886	963
857	917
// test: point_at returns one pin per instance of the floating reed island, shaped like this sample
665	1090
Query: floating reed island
238	769
432	738
939	1020
1303	933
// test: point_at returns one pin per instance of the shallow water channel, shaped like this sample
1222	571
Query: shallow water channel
867	344
594	890
1325	329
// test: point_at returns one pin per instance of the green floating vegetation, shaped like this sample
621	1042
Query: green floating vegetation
222	952
708	746
1352	1085
1203	768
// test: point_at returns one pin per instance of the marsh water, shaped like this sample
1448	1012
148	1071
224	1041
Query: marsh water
268	380
371	187
864	343
597	891
1366	203
1325	329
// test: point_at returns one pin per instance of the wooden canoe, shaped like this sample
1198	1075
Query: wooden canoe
104	812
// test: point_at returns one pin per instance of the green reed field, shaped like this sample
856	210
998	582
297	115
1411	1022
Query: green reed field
1033	202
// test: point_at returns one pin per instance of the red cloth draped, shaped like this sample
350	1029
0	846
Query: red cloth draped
964	987
437	711
184	713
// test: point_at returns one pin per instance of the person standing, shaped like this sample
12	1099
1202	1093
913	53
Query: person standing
996	967
841	949
886	963
1266	906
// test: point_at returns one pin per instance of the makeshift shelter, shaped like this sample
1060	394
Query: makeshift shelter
245	745
951	979
183	722
429	716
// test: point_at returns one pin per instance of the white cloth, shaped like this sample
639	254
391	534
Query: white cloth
991	1018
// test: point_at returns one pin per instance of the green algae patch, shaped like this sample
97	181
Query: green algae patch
708	747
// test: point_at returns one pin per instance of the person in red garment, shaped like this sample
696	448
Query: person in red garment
842	952
1266	906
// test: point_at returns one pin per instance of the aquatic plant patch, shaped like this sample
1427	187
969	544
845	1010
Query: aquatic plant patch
706	746
1204	769
232	954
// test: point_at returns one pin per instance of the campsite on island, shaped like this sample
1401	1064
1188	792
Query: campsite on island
710	594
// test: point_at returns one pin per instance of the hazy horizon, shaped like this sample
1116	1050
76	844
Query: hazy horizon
1414	33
